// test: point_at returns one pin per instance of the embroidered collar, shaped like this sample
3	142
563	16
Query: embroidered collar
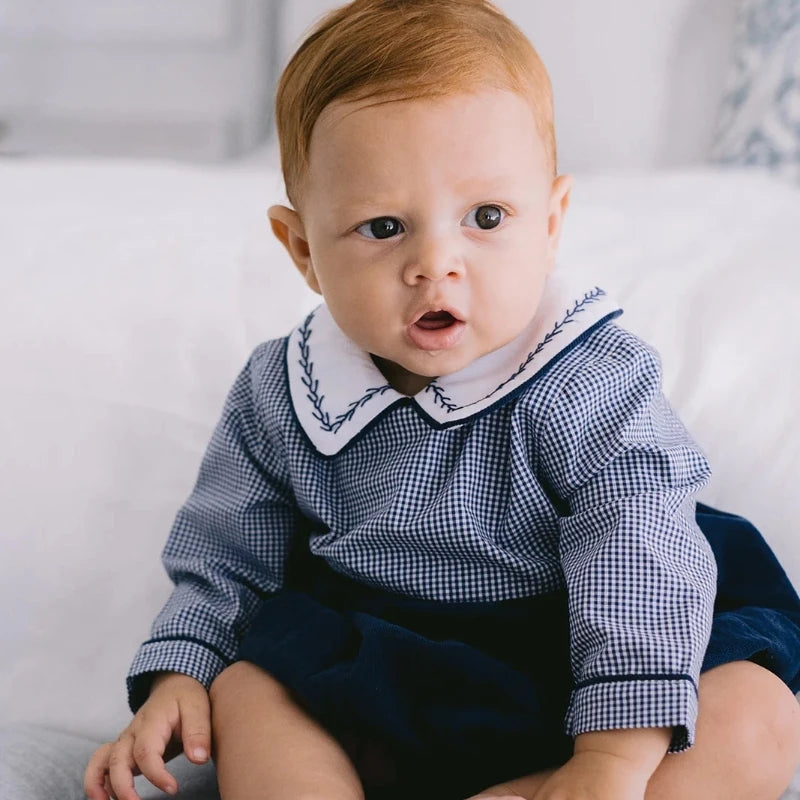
337	390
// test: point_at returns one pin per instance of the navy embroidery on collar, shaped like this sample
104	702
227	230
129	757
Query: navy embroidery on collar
313	386
580	305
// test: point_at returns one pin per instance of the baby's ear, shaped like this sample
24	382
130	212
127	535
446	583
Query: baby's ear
288	227
559	202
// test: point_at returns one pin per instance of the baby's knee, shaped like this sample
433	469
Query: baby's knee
778	722
755	718
768	715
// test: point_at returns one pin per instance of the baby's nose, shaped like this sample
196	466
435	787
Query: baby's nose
433	259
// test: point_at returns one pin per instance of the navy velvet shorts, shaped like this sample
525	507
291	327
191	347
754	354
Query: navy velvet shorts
464	695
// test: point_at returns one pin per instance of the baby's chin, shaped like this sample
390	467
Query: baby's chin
445	363
423	366
442	363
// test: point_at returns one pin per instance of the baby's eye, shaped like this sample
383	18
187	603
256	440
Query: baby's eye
380	228
484	217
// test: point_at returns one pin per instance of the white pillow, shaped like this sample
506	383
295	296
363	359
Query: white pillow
132	294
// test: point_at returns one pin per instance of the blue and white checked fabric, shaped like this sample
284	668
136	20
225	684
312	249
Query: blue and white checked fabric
580	478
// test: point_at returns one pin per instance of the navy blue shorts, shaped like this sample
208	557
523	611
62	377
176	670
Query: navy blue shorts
464	695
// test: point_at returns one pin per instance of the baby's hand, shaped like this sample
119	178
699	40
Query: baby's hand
595	776
176	716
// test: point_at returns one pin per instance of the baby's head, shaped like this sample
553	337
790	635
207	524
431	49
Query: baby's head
418	152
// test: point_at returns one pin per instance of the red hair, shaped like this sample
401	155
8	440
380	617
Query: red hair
405	49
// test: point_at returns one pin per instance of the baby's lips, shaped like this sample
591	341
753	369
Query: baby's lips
433	320
432	337
437	315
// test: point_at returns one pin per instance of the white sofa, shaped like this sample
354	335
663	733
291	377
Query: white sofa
133	292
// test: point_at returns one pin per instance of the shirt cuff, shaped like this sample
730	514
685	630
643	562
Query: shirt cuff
196	659
668	701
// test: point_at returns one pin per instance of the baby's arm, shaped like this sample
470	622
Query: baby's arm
638	749
639	572
609	765
229	543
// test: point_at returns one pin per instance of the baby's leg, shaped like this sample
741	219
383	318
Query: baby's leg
265	746
747	743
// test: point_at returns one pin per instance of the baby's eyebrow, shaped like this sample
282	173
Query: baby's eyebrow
358	204
362	206
491	184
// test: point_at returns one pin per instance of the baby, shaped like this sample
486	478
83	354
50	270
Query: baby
444	541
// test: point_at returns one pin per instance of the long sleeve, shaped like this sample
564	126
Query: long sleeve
640	574
228	545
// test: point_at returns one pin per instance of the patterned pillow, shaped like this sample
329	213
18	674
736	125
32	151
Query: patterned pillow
759	121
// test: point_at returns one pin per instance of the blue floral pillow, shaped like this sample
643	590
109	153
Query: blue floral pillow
759	122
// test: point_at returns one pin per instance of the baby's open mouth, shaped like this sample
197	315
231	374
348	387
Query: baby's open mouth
437	330
435	320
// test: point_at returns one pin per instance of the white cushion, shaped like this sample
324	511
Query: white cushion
133	293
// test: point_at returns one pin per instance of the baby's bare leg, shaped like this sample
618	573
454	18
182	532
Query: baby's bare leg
265	746
747	743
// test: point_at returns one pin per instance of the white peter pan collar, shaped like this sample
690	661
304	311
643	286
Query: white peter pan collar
337	390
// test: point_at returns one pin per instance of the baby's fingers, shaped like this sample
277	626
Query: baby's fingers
109	790
148	755
195	710
122	768
94	778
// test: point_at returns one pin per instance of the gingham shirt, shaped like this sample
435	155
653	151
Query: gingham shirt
555	462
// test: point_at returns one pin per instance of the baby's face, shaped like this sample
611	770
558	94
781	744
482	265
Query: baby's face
431	227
